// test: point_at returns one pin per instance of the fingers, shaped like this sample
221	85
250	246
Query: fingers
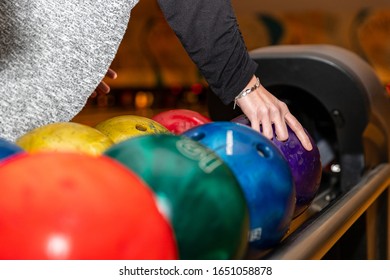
103	88
111	74
94	94
299	131
278	111
266	111
266	122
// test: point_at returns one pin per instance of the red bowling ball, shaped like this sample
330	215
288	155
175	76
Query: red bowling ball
178	121
73	206
305	166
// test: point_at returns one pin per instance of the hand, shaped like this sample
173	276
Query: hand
103	88
262	108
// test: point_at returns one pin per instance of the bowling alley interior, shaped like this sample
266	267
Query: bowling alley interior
215	187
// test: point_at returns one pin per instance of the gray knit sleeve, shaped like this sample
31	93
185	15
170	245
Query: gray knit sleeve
53	54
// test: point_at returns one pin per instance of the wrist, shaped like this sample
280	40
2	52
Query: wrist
251	87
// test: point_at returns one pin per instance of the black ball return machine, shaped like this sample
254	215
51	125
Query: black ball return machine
339	99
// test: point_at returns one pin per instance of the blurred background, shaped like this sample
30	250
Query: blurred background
155	73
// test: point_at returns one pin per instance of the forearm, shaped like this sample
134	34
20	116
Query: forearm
209	32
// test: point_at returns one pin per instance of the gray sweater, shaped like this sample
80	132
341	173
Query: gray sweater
53	54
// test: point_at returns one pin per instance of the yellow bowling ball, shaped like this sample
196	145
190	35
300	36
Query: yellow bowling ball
124	127
65	137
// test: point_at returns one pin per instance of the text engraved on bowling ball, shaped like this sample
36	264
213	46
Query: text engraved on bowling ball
255	234
208	161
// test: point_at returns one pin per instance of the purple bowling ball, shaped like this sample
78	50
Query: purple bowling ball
305	166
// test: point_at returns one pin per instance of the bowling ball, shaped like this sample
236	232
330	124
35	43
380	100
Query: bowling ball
263	173
196	191
65	137
179	120
305	166
77	206
124	127
8	149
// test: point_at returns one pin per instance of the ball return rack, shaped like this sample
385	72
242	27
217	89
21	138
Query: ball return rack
338	98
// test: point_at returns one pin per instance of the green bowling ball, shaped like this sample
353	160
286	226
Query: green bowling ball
195	190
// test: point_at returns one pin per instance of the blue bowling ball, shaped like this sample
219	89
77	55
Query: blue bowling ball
263	173
8	149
